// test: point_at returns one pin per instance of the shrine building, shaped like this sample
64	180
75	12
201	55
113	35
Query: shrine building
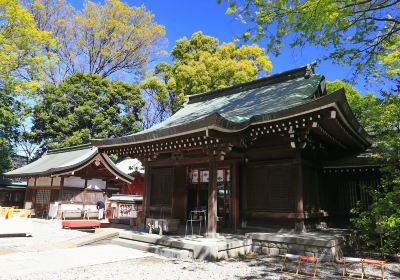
252	155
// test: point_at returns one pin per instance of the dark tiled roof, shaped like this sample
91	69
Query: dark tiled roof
233	107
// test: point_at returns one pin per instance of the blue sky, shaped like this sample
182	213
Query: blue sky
184	17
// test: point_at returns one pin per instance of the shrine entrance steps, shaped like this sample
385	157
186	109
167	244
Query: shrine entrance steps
189	247
325	245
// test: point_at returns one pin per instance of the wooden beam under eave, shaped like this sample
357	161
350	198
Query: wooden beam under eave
184	161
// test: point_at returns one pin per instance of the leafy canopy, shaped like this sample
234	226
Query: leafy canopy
379	225
363	106
21	63
360	33
86	106
200	64
104	38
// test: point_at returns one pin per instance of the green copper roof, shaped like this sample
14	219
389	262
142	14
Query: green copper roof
64	159
233	107
241	106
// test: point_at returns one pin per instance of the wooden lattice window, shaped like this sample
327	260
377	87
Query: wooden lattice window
42	196
72	195
93	197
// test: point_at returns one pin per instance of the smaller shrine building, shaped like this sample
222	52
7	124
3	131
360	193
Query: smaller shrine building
72	178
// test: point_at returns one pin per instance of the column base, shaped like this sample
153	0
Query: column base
211	235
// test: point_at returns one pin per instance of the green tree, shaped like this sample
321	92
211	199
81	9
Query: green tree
103	38
21	63
362	34
201	64
364	107
379	225
86	106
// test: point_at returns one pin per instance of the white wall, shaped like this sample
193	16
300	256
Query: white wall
43	182
56	181
97	182
74	182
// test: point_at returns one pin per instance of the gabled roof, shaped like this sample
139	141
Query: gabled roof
56	160
63	160
130	165
233	107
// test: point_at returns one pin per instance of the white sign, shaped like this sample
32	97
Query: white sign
127	210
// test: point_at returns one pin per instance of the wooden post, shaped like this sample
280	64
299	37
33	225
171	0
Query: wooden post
234	196
212	200
243	192
60	195
147	191
298	195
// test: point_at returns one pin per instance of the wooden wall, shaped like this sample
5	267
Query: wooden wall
269	192
161	193
343	189
311	194
180	194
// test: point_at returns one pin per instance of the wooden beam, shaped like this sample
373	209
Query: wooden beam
274	215
184	161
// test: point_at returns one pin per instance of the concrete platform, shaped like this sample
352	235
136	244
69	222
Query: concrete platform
325	246
199	247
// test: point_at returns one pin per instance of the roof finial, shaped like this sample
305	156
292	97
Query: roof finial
310	69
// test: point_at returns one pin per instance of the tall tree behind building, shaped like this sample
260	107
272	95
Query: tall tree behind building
101	39
200	64
85	106
22	61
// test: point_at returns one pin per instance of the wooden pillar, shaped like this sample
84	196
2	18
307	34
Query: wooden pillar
234	196
298	195
147	192
243	192
60	195
212	199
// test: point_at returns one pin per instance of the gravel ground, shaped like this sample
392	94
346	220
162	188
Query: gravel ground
250	267
253	267
43	232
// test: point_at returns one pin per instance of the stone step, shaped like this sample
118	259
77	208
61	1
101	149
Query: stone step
154	248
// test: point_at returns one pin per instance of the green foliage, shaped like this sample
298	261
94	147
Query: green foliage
5	155
86	106
22	62
379	226
364	107
359	33
22	59
104	38
202	64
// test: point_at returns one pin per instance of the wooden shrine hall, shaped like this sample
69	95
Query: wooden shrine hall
70	179
250	155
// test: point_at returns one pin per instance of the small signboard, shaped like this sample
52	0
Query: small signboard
127	210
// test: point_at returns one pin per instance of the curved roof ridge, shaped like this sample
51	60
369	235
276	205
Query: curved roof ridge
304	71
71	148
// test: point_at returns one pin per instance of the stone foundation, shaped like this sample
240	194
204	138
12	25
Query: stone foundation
326	248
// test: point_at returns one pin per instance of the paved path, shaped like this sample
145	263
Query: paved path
19	264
